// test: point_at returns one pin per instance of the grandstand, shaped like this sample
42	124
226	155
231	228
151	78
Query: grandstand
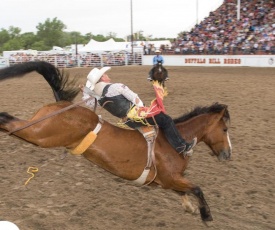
221	33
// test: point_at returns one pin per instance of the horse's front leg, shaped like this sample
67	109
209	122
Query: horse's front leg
182	186
203	206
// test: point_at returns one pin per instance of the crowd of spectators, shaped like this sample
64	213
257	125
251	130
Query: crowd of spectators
219	33
222	33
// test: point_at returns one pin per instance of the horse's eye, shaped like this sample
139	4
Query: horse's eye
225	130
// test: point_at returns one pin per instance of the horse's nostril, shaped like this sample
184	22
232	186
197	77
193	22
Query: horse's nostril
228	155
224	155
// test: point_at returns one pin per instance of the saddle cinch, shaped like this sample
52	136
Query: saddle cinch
150	134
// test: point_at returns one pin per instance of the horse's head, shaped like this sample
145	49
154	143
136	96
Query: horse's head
216	134
159	73
210	125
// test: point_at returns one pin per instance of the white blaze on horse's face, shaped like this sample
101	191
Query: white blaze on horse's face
225	154
229	142
160	69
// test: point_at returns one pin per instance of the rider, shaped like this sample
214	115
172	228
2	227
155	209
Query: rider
156	59
122	100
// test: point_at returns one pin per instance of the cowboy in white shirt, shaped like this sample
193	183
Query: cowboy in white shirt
118	99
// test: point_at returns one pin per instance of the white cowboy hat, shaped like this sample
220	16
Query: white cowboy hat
94	76
157	51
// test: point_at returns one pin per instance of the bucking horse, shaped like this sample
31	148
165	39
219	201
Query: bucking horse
120	151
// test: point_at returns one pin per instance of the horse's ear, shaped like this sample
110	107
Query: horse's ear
222	113
217	117
225	115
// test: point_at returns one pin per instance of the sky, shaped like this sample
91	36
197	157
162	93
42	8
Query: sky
158	18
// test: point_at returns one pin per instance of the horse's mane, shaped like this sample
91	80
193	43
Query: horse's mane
214	108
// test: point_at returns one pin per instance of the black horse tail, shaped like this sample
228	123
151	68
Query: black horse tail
63	88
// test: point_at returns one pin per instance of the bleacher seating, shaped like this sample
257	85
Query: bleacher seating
221	32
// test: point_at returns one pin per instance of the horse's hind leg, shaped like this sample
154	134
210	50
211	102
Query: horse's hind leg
187	205
5	121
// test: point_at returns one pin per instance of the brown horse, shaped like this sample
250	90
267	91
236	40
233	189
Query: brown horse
159	73
120	151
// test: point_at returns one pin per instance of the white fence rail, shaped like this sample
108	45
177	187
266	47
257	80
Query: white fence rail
4	62
80	60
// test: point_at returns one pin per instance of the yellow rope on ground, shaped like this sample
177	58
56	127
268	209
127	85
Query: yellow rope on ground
31	170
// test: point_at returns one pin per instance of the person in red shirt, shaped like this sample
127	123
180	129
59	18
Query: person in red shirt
121	102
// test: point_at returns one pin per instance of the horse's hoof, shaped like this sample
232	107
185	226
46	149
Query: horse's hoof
205	214
207	218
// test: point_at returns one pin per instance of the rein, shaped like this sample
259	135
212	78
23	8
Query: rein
47	116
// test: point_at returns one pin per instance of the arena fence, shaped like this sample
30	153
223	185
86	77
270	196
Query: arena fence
3	62
123	59
81	60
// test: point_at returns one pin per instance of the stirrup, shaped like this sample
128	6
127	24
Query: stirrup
188	151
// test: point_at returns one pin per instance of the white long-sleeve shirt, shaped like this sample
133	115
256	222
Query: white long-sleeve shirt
115	89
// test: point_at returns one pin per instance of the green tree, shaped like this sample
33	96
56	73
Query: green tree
111	35
4	37
76	38
51	32
10	39
14	32
28	39
99	38
88	37
13	44
40	45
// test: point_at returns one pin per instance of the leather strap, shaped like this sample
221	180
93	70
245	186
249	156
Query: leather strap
150	156
47	116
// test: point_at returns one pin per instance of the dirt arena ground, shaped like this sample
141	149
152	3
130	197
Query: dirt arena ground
74	194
